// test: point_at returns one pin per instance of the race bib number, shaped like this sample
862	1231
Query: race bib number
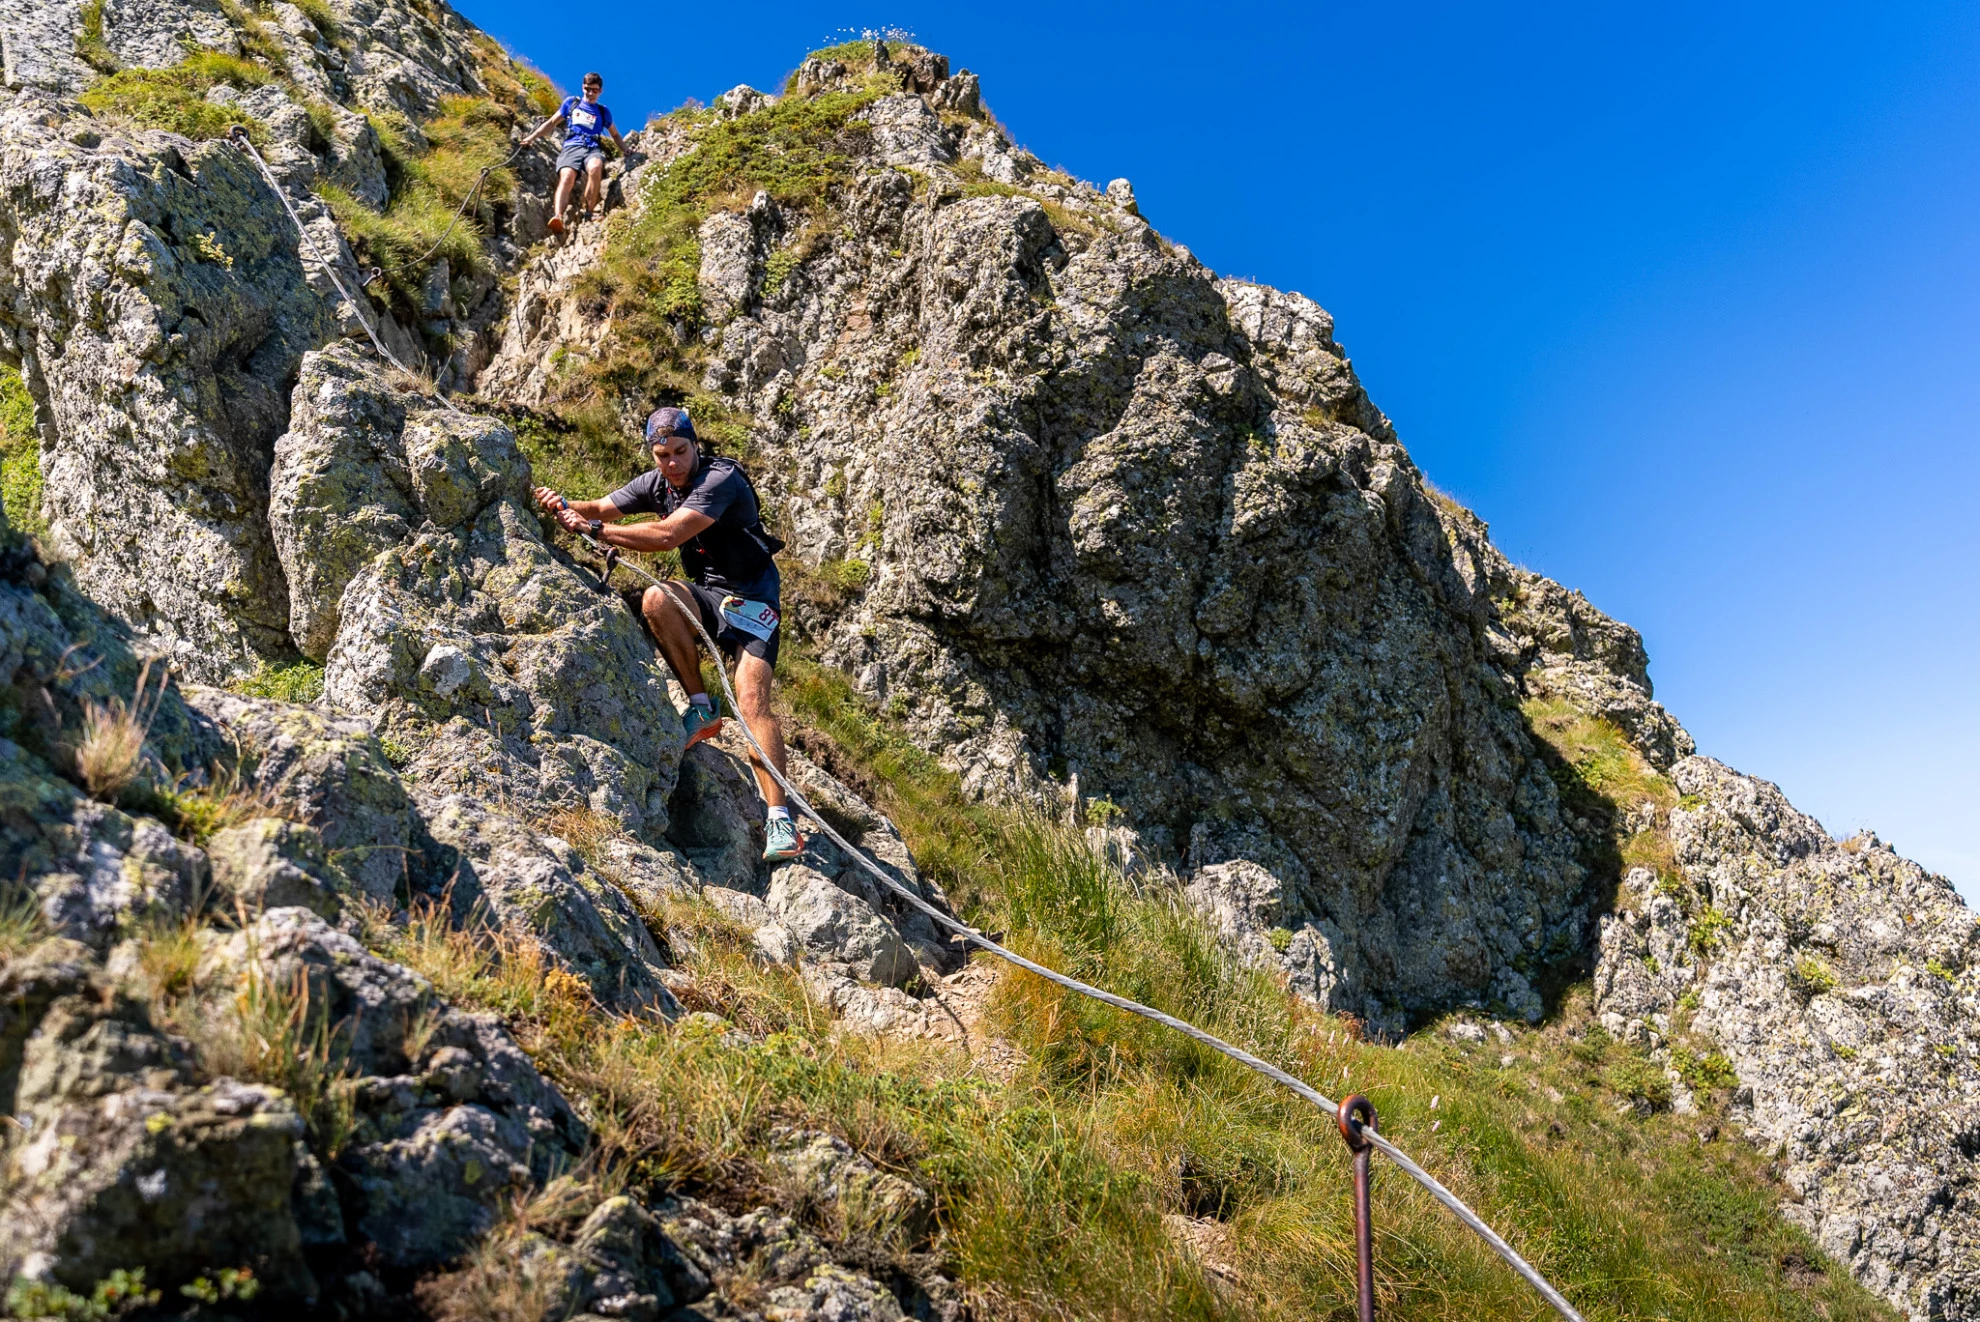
752	617
582	118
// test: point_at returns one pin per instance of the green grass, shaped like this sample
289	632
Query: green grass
428	187
300	682
174	99
20	456
1051	1186
91	48
319	13
798	150
1603	781
254	36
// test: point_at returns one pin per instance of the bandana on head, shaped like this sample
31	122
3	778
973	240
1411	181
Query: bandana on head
669	422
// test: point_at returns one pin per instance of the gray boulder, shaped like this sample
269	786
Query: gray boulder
340	490
837	927
175	1180
326	772
123	1161
390	1024
94	868
538	886
270	863
471	643
907	132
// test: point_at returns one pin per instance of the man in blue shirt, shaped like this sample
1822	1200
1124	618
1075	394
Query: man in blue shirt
584	148
709	512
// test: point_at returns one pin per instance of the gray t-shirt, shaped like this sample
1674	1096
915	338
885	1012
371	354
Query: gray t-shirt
732	554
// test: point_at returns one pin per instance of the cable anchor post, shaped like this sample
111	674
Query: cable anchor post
1355	1114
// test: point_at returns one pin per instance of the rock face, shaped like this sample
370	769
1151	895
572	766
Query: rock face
160	370
1127	531
1839	980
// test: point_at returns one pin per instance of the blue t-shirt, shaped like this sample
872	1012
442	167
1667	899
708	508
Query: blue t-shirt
734	553
587	121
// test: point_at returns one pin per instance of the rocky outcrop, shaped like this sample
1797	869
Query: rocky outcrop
326	772
1126	531
452	623
127	1150
157	307
1839	980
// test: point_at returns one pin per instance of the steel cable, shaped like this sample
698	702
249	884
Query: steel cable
238	136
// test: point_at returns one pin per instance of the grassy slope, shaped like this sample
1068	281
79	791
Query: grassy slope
1053	1186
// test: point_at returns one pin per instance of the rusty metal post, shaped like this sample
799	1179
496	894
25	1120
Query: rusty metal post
1357	1111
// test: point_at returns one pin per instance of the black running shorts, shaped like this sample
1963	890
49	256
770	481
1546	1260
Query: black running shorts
727	637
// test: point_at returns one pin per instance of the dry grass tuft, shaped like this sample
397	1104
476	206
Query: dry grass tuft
584	829
112	746
263	1028
509	1275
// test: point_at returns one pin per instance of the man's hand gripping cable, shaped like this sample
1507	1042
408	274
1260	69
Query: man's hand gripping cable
970	934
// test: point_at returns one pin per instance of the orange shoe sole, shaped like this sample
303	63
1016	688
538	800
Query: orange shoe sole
802	841
707	731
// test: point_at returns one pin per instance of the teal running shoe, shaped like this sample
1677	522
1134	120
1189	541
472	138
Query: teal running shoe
783	840
700	723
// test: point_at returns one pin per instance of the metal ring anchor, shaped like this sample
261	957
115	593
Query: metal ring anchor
1355	1114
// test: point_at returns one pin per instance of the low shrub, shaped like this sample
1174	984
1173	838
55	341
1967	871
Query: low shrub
299	681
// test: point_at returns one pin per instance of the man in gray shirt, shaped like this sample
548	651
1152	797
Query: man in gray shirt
709	512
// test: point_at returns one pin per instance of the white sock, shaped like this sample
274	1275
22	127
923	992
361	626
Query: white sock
780	814
702	700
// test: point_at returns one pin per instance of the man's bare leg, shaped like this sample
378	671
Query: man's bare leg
674	635
753	684
594	183
566	180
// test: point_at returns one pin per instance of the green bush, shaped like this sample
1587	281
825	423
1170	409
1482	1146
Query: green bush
91	48
1811	977
1639	1080
1708	929
1707	1073
117	1295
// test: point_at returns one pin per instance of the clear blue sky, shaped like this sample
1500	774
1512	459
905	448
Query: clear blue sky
1684	299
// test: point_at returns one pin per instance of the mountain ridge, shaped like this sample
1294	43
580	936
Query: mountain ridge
984	399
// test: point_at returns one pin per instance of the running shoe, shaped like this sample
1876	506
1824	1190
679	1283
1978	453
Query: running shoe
700	723
556	224
782	840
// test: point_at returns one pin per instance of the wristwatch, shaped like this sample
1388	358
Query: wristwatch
597	528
